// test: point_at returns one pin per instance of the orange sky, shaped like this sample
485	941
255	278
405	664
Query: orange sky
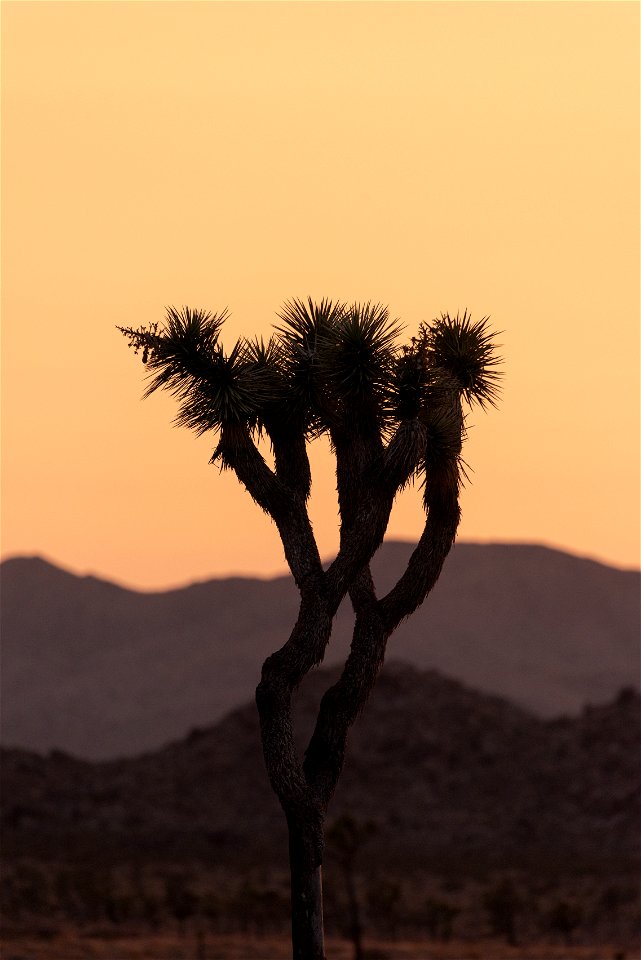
433	156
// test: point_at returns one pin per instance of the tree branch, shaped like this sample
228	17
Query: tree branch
356	455
286	508
403	455
375	622
379	476
425	564
237	450
291	459
282	672
343	702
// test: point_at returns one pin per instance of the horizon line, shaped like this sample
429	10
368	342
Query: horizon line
284	573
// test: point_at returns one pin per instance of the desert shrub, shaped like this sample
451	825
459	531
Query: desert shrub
439	918
83	893
259	910
180	900
503	904
383	901
26	892
564	918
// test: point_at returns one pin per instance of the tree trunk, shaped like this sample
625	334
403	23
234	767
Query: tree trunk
308	940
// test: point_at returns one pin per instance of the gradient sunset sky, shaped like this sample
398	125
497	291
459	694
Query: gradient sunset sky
431	156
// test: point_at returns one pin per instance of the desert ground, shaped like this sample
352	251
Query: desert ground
95	945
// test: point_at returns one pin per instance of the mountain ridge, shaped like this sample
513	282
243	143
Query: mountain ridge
459	793
442	769
99	670
39	559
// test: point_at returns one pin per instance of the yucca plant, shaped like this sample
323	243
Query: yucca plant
394	415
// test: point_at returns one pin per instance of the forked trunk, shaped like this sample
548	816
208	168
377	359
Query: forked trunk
308	939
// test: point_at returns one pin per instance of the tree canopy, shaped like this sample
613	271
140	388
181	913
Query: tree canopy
328	368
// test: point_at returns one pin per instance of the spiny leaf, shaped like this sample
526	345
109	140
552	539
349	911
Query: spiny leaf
304	323
465	350
185	358
180	350
356	355
306	327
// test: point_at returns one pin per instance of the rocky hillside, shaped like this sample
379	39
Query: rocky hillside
446	774
100	671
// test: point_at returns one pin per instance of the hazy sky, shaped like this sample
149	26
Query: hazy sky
432	156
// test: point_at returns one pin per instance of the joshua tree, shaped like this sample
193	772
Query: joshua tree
393	415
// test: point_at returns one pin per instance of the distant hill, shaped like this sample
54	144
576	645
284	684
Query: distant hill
463	791
447	775
101	671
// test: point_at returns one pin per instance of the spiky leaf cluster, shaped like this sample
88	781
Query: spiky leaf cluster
465	351
357	353
327	365
408	381
305	329
332	357
184	357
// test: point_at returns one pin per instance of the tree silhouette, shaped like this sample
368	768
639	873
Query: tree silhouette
564	918
346	837
503	904
439	917
393	415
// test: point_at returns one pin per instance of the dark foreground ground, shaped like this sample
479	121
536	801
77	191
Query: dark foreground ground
464	826
166	912
94	944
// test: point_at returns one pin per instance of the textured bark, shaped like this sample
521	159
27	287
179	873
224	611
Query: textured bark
341	705
426	562
291	460
238	451
282	672
305	859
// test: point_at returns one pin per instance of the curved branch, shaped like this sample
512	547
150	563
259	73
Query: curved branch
403	455
282	672
375	622
291	459
237	450
343	702
377	482
355	457
287	509
426	562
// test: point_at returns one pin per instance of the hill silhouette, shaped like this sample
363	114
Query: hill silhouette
102	671
444	771
463	790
